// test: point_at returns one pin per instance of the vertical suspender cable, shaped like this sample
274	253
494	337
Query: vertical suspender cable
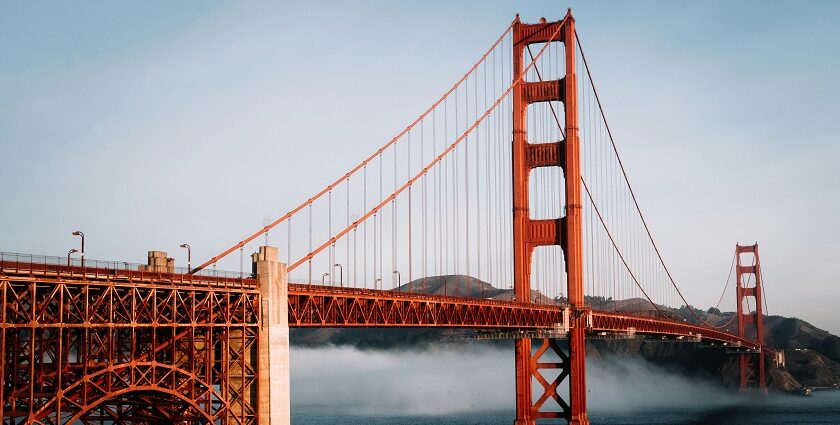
425	210
347	242
487	186
331	253
394	224
364	230
455	198
408	170
467	179
310	242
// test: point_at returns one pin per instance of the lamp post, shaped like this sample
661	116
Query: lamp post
379	281
79	233
340	275
324	279
189	256
396	272
69	253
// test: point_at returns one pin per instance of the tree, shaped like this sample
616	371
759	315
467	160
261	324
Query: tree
830	348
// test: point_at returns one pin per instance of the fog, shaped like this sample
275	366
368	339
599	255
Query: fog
433	381
635	384
452	379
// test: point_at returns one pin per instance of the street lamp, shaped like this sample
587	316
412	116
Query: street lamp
379	281
79	233
69	253
189	256
398	277
324	279
340	275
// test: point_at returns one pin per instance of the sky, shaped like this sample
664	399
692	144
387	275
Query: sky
150	124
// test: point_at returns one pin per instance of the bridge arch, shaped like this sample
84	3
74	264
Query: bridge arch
165	379
152	388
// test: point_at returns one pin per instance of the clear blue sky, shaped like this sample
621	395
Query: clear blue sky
146	124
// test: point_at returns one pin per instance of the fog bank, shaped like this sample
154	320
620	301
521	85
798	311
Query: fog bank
453	379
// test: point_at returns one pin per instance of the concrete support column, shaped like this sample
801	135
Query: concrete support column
158	262
273	352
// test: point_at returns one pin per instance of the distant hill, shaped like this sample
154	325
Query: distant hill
466	286
812	354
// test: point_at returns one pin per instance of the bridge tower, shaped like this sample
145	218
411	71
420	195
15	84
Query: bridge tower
750	323
566	232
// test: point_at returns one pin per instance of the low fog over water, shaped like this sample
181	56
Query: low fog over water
455	379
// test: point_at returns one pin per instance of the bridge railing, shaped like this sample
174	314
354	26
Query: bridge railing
18	263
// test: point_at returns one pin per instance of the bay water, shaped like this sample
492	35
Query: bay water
823	408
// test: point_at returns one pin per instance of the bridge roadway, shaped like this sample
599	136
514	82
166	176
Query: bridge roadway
332	307
329	306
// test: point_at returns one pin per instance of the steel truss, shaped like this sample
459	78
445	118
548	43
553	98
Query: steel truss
126	349
322	306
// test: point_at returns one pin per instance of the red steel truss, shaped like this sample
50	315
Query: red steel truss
327	306
331	307
95	345
101	345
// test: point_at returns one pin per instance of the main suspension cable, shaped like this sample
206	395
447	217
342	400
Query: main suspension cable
434	162
361	165
632	192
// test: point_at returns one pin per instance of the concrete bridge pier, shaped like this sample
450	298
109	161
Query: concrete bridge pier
273	353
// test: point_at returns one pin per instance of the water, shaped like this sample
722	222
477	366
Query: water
822	408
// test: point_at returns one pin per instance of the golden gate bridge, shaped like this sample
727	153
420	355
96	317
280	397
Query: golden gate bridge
512	177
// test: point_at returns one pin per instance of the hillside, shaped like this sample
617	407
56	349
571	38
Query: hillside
465	286
812	354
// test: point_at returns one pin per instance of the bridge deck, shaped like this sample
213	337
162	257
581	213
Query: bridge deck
329	306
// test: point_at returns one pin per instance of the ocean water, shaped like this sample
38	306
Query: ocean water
823	408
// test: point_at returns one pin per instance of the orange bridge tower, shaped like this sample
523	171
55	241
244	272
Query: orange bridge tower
567	232
750	322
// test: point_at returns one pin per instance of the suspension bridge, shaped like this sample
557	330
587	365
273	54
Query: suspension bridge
511	178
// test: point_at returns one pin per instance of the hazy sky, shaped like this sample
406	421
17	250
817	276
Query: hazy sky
148	124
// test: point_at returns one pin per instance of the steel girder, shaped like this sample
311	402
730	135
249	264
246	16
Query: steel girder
324	306
91	348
